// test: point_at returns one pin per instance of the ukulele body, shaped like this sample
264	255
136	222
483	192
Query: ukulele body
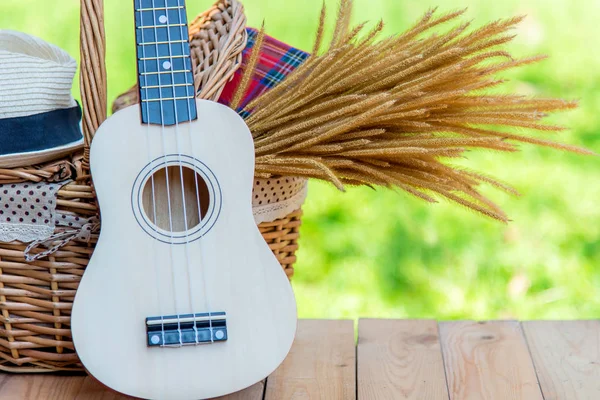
136	277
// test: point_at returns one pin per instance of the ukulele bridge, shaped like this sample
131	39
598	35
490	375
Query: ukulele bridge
186	329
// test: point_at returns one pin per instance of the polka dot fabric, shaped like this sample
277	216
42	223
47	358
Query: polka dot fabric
27	211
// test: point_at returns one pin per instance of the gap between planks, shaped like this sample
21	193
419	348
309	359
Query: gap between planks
397	359
488	360
321	364
566	355
400	359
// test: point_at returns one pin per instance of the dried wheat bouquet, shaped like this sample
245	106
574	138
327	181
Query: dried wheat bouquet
396	111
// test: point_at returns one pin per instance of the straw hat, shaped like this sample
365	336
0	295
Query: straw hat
35	90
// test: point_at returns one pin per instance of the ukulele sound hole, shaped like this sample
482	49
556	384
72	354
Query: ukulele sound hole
163	199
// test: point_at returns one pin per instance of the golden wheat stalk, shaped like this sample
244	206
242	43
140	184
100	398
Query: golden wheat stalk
393	111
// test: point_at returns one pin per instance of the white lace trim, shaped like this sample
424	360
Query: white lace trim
274	211
24	233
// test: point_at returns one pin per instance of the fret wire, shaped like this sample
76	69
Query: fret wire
159	8
170	98
155	43
166	72
160	26
166	86
161	57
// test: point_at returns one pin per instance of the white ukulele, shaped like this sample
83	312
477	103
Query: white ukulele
182	298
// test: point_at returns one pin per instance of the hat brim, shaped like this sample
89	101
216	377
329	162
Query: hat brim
37	157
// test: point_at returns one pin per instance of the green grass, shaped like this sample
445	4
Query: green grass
384	254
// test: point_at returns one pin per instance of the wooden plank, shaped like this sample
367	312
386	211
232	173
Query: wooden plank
48	387
566	356
400	360
94	390
41	387
254	392
321	364
32	387
488	360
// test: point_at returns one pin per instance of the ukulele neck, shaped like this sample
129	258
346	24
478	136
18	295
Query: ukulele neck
166	81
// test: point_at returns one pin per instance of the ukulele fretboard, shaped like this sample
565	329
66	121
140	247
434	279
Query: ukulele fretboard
164	64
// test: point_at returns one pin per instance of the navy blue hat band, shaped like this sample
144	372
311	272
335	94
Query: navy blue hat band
40	131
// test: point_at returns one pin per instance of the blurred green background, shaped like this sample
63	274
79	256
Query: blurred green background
385	254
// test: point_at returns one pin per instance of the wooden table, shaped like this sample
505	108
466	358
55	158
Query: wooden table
396	359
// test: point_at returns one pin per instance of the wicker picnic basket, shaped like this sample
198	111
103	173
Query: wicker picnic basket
36	297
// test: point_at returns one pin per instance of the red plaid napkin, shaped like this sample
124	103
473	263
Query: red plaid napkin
277	61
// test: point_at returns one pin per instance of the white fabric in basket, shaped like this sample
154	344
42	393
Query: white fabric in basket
27	211
275	198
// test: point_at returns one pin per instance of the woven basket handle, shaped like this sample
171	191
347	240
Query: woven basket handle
93	69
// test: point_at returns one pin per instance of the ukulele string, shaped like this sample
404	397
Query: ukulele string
166	168
198	197
149	152
178	145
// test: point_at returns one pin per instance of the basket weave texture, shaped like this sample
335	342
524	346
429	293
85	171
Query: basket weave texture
36	297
